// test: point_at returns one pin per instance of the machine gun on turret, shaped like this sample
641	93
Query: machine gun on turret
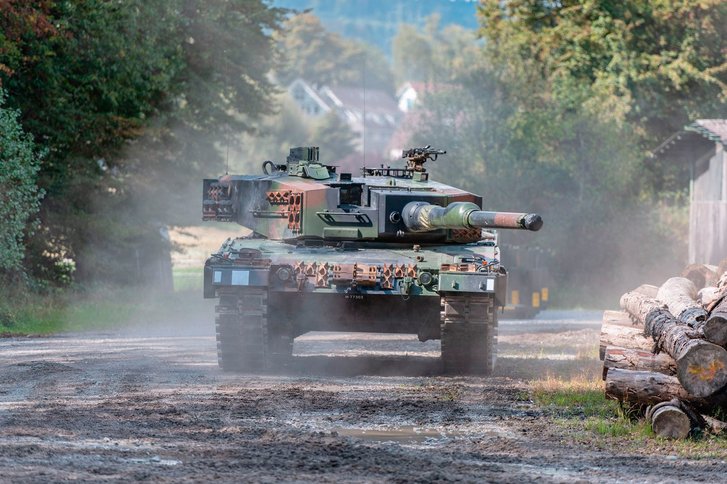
416	157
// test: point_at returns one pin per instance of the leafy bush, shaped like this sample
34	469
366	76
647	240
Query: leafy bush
19	193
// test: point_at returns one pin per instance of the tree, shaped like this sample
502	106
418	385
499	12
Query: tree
334	137
413	55
129	97
657	65
591	86
325	58
276	134
432	53
19	193
289	128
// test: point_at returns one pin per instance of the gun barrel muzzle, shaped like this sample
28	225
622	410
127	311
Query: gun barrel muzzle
505	220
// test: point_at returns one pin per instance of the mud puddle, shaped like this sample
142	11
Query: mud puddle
400	435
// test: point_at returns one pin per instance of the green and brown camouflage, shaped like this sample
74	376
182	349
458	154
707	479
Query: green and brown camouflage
387	251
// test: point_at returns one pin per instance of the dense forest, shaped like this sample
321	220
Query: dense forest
111	113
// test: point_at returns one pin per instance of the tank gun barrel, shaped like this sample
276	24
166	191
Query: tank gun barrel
424	217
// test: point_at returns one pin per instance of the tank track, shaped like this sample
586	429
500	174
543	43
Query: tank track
245	342
469	334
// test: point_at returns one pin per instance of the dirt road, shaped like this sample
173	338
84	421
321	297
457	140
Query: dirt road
121	407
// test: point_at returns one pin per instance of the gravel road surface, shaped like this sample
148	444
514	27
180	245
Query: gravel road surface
140	405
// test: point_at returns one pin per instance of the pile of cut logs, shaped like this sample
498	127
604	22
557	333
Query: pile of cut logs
664	355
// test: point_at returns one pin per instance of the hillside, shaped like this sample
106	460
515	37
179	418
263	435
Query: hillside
376	21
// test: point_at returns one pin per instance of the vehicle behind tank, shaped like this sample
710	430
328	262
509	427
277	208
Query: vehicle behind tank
528	280
389	251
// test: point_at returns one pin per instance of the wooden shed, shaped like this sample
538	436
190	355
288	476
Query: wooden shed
702	144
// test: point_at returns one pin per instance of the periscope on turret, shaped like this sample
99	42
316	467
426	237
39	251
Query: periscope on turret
387	251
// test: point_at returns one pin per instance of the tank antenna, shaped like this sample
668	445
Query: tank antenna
227	127
227	153
363	141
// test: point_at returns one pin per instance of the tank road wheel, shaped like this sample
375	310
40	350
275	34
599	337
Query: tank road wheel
242	330
469	334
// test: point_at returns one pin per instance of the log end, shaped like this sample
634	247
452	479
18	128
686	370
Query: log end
702	370
715	329
670	422
693	316
700	274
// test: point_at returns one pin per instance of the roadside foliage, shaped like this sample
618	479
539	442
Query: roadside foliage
130	100
19	193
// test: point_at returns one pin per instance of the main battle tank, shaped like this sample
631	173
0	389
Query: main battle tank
389	251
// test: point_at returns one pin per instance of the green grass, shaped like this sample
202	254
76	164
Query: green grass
578	407
579	396
579	402
617	426
71	311
103	308
188	279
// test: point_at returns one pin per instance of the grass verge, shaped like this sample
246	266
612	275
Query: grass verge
35	314
103	308
580	408
188	279
578	396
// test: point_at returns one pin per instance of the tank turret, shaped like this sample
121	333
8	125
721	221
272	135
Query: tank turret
305	200
425	217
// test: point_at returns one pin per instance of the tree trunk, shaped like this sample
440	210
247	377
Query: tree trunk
722	268
701	275
669	421
679	294
701	366
722	288
647	290
715	328
714	425
708	295
620	318
623	337
643	387
639	360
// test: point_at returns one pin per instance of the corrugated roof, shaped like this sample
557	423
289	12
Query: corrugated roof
712	129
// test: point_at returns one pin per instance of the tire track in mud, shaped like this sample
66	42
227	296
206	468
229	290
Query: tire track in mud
93	408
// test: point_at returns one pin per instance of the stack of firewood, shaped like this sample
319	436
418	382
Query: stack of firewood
664	355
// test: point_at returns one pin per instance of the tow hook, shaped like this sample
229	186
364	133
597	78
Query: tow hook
353	288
